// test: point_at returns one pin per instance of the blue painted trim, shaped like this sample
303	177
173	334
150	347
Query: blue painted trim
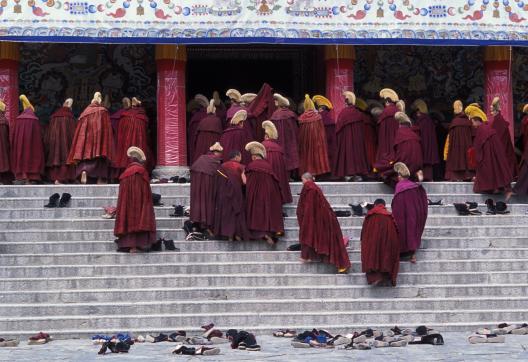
261	40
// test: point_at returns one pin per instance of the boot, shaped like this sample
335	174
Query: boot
53	201
65	200
169	245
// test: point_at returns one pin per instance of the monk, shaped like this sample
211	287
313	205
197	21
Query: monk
409	208
263	197
351	157
132	131
387	124
220	108
236	105
428	137
285	120
236	137
459	141
92	145
324	106
380	246
230	203
208	132
203	173
313	149
319	231
275	156
58	140
503	133
6	177
27	148
369	121
135	224
261	108
198	113
116	116
493	172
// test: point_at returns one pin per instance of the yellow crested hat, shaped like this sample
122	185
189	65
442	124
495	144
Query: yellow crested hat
322	101
402	117
256	148
217	147
281	100
401	169
239	116
308	103
390	94
473	111
270	130
136	152
419	105
234	95
26	103
361	104
2	106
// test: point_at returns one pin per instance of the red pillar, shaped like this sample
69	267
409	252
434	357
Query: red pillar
172	136
498	81
9	60
339	61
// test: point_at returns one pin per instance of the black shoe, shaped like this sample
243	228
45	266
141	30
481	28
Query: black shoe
103	349
156	246
169	245
434	203
491	207
462	209
53	201
174	179
501	208
178	211
156	200
294	247
357	210
65	200
181	349
122	347
182	180
161	338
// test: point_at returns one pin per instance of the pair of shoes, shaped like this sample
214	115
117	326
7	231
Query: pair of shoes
191	351
357	210
178	336
434	203
9	342
160	338
57	200
486	338
468	208
496	208
168	244
156	200
178	211
41	338
286	333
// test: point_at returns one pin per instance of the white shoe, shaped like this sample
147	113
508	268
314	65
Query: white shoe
381	344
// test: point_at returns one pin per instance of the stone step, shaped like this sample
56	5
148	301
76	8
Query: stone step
132	322
291	234
268	279
289	222
203	257
249	305
273	267
56	247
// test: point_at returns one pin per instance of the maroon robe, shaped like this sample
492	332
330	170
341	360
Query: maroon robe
313	150
92	146
261	109
132	131
524	132
208	133
380	246
236	138
114	120
27	148
5	165
203	173
371	141
387	128
275	156
221	112
493	170
503	133
351	156
409	208
263	200
286	123
460	141
319	231
135	224
331	138
57	140
230	204
429	145
195	120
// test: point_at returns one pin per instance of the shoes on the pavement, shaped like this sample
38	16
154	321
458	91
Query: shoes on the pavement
207	351
380	344
9	342
184	350
253	348
400	343
161	338
486	338
299	344
149	339
41	338
178	336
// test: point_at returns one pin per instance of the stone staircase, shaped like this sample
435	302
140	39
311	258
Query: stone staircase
60	272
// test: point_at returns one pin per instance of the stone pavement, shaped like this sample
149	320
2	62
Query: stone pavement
278	349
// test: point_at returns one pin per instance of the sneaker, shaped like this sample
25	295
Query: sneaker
177	336
184	350
207	351
41	338
9	342
140	339
299	344
340	340
149	339
253	348
381	344
400	343
161	338
242	346
289	334
218	340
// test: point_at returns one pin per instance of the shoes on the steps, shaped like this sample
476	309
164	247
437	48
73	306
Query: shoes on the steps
520	330
486	338
299	344
149	339
357	210
157	246
501	208
140	339
161	338
462	209
380	344
178	211
503	328
65	200
9	342
156	199
169	245
339	340
207	327
491	207
41	338
294	247
207	351
184	350
434	339
473	208
399	343
53	201
342	213
434	203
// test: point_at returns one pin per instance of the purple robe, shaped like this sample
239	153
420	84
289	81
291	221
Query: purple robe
203	173
196	118
275	156
208	132
235	139
286	123
429	145
331	138
409	209
387	128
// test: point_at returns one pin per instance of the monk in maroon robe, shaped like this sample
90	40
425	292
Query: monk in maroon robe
387	124
324	106
58	140
493	172
428	136
275	156
27	148
261	108
236	99
135	224
503	133
132	131
198	113
351	157
92	148
380	246
263	197
208	131
285	120
116	116
319	230
203	173
409	208
313	150
6	177
370	132
230	203
236	137
459	141
220	108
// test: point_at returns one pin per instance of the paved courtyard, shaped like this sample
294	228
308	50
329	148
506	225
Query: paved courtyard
278	349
